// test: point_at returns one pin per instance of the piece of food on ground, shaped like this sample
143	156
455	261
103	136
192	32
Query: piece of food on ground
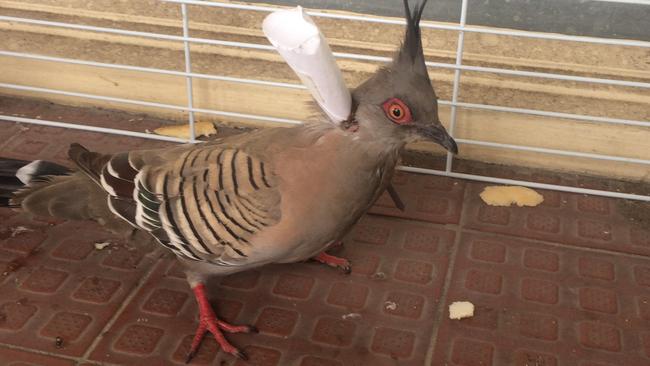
461	310
183	131
508	195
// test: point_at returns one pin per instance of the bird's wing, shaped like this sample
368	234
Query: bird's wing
204	202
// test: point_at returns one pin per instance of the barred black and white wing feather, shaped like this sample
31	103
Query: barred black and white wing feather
202	202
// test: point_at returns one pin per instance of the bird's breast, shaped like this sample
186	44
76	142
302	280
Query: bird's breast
325	188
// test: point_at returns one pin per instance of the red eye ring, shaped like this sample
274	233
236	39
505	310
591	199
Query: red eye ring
397	111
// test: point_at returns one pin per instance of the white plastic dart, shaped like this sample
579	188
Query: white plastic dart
303	47
293	33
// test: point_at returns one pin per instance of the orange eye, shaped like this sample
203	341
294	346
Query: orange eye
397	111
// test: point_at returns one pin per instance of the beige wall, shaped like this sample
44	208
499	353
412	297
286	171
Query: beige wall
346	36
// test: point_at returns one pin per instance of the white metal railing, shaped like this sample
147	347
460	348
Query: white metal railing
146	104
362	18
188	69
153	70
460	44
581	117
344	55
74	126
458	67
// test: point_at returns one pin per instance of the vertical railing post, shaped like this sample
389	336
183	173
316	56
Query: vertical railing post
454	96
188	69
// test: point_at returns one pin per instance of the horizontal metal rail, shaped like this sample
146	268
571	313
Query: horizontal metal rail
73	126
402	168
149	104
151	70
473	29
580	117
537	112
124	32
352	56
543	150
273	119
494	70
525	183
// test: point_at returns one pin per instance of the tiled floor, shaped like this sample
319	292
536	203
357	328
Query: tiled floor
566	283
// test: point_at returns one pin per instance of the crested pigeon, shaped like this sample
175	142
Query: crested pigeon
277	195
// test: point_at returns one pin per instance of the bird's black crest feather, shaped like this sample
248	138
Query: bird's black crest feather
411	51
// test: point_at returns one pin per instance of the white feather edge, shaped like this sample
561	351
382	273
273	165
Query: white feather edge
174	239
26	173
106	186
139	210
143	220
114	211
112	171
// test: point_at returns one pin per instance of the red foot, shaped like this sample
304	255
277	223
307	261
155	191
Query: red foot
333	261
208	322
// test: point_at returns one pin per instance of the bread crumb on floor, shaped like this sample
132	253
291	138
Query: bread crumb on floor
508	195
183	131
461	310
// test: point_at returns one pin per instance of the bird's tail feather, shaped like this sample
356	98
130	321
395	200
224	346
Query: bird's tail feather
91	163
16	175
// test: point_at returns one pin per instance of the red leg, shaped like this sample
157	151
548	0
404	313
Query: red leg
208	322
334	261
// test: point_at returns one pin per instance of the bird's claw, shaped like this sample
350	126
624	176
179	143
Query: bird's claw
333	261
216	326
241	355
208	322
189	357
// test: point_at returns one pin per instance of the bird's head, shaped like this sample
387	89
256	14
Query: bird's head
398	102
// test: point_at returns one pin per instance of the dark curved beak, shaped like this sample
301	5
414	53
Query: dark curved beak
439	135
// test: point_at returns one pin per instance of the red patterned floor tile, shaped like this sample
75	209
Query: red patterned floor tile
580	220
536	303
544	311
277	321
8	131
426	197
307	313
14	357
30	142
57	285
396	343
41	142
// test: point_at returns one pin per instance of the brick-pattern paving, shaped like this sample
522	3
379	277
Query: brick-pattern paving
303	311
553	305
562	284
55	284
572	219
